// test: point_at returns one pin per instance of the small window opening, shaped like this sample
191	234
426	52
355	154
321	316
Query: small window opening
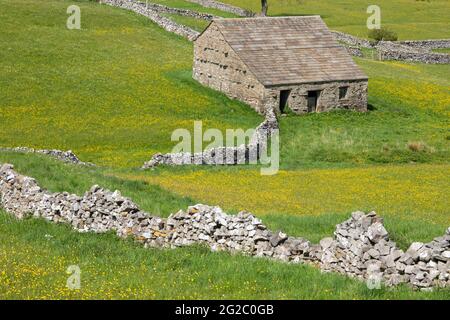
343	92
284	96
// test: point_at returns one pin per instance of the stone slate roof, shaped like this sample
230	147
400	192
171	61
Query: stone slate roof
289	50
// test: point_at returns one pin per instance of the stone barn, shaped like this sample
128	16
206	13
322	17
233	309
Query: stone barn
279	63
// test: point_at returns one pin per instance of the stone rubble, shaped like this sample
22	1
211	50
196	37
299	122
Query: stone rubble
242	154
360	247
65	156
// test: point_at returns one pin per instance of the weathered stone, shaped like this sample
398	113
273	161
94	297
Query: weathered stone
357	215
425	255
277	238
446	254
406	259
325	243
376	232
374	253
413	250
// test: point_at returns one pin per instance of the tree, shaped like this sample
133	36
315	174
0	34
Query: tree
264	7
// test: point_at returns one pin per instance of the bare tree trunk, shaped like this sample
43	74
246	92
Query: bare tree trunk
264	7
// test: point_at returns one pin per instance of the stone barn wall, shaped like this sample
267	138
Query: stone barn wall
355	99
217	66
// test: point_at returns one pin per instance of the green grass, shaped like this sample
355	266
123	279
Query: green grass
410	105
443	50
193	6
114	91
410	19
34	255
196	24
407	192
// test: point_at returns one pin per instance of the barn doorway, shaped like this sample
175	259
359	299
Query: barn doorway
313	97
284	97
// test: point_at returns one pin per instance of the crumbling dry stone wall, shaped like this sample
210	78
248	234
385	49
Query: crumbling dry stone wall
360	248
243	154
362	243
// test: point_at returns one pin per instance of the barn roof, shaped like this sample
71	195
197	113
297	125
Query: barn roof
289	50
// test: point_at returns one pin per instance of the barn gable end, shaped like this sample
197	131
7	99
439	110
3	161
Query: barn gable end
217	66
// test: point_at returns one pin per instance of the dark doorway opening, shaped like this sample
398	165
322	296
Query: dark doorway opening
284	97
313	96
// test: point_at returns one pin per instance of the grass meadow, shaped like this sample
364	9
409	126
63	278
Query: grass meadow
114	91
111	91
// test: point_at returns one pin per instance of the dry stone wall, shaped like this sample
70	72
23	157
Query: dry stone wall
181	12
224	7
243	154
65	156
427	44
351	40
360	248
388	50
410	50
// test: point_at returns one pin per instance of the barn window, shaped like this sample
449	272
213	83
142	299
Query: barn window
343	92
